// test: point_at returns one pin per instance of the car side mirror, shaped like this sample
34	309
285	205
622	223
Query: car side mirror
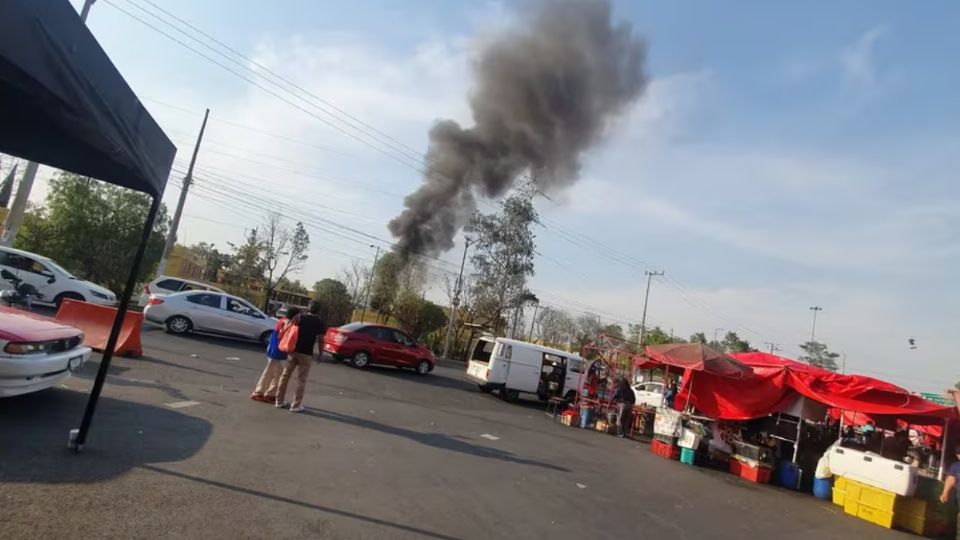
51	279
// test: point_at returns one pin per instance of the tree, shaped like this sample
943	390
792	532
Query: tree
699	337
418	316
211	259
733	344
284	251
503	257
335	299
93	229
292	286
817	354
656	336
355	278
386	283
556	328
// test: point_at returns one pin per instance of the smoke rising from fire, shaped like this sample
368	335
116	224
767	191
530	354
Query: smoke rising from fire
544	92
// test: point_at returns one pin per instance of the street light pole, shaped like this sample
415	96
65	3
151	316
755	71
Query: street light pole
366	297
773	346
456	301
87	4
715	331
646	298
813	329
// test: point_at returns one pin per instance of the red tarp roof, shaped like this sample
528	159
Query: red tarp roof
776	380
697	357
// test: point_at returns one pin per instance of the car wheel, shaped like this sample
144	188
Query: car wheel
423	367
360	360
71	295
179	325
484	388
265	337
509	394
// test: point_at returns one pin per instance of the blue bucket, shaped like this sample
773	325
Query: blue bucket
823	488
789	474
585	414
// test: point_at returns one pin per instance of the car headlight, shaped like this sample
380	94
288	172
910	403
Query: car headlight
25	348
100	295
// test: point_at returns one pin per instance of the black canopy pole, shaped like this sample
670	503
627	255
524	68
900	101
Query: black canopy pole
79	436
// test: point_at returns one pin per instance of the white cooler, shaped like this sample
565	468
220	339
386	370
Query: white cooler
873	470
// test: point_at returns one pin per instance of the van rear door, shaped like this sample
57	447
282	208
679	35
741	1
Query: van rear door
481	357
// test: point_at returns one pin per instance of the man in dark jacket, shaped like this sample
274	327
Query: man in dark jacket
311	328
625	399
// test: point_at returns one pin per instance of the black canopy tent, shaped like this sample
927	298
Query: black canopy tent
63	103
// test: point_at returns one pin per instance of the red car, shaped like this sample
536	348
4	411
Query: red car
366	344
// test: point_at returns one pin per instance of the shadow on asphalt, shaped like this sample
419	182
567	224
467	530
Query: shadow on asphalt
222	341
295	502
432	379
436	440
89	373
158	361
123	435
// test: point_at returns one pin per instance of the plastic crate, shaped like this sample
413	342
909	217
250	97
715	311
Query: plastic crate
665	450
759	475
883	518
915	523
838	496
911	505
872	497
687	456
840	483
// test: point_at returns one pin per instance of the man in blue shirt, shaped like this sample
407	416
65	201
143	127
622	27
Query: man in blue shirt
950	484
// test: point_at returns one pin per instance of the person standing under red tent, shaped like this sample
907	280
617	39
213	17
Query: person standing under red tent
266	388
311	328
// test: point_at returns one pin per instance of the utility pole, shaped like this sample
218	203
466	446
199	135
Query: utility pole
11	226
533	321
646	298
773	346
457	289
715	332
843	363
813	330
366	297
172	233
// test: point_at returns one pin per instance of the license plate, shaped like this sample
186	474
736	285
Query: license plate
75	363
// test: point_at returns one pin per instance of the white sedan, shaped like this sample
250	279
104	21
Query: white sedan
209	312
36	352
648	393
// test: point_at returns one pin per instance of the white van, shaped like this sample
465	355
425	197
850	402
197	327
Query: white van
510	367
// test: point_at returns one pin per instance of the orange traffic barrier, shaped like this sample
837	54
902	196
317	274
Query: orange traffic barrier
96	321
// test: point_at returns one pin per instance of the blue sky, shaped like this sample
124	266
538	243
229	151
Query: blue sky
784	155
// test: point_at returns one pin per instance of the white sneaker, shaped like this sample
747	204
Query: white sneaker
282	404
298	408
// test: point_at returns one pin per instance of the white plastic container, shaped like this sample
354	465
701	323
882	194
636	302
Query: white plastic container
873	470
689	439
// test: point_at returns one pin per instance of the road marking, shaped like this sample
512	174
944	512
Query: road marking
581	486
182	404
490	437
233	358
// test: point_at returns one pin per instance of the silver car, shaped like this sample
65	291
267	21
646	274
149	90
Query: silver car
209	312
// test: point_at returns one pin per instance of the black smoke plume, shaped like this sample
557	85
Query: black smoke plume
544	92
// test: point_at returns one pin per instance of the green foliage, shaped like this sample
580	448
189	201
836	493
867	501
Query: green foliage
386	282
733	344
417	316
211	259
335	298
817	354
656	336
294	286
283	251
93	229
556	327
502	258
699	337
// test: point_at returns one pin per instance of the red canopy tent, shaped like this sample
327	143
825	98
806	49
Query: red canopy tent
698	357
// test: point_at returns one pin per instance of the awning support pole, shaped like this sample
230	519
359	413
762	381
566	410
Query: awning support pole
840	434
943	448
79	436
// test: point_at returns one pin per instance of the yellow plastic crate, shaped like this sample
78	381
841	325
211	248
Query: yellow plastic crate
915	523
838	496
873	497
911	505
876	516
840	483
850	505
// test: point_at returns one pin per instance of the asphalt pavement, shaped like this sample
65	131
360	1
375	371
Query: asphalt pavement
178	450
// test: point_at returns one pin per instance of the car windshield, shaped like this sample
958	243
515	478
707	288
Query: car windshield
58	268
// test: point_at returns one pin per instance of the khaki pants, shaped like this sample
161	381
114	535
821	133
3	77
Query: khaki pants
267	385
300	362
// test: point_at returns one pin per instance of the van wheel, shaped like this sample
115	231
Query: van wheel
360	360
484	388
509	394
